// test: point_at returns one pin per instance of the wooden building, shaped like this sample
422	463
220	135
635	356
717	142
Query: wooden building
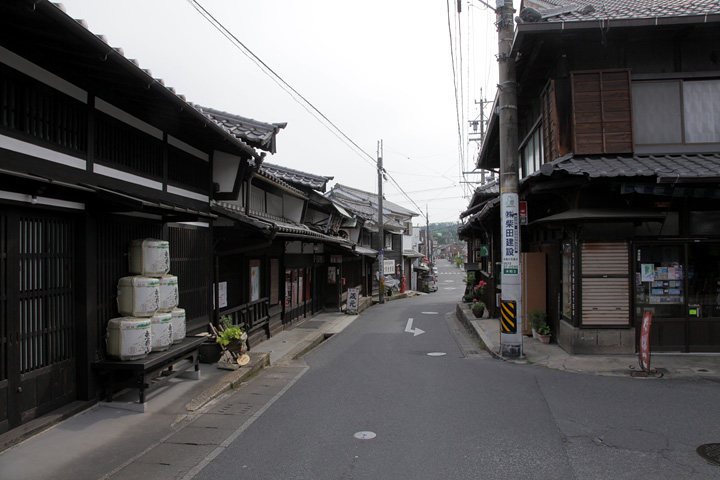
619	154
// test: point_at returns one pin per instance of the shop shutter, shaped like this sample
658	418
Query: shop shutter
605	292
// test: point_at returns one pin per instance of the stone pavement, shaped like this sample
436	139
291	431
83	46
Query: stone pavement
487	331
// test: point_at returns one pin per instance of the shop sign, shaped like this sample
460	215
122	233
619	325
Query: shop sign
353	299
388	267
523	213
335	258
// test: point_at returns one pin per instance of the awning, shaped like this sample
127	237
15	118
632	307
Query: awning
234	212
409	252
299	231
368	252
422	268
138	203
602	214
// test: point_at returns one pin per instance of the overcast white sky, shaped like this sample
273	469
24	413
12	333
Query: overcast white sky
378	69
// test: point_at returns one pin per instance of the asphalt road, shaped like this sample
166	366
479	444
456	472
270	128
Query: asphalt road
403	393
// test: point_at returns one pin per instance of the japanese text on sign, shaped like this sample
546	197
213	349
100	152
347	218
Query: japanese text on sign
511	234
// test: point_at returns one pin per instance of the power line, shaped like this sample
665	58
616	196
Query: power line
305	103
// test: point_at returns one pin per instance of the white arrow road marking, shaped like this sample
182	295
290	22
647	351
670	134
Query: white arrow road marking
409	328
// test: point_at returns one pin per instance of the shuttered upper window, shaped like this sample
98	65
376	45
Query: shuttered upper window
602	112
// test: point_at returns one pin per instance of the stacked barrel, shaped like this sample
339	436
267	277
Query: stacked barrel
148	304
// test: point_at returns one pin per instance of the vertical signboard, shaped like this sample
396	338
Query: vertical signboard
353	298
510	235
645	342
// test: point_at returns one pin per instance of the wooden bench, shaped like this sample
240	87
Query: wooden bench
151	372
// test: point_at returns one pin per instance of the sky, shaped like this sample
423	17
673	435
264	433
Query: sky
407	73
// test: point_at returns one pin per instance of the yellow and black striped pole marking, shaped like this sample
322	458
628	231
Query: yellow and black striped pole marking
508	316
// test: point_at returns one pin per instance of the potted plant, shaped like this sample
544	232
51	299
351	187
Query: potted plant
232	337
478	309
544	333
537	320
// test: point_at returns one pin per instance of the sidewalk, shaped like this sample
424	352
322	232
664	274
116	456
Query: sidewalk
110	440
487	331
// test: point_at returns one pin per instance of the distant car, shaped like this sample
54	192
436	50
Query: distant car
430	284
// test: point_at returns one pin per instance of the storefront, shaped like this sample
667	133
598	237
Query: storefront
679	283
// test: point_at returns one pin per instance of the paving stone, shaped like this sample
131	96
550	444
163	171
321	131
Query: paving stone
176	454
197	435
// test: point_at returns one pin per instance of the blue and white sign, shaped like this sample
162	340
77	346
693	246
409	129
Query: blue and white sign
510	234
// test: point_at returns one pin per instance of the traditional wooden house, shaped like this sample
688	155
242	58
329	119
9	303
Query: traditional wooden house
618	107
334	251
94	153
397	225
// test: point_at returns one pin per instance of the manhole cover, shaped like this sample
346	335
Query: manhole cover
710	452
312	325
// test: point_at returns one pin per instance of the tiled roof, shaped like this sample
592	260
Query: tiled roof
316	182
588	10
256	133
366	201
680	167
272	178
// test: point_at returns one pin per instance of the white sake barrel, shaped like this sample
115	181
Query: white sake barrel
178	325
161	332
128	338
169	294
138	296
149	257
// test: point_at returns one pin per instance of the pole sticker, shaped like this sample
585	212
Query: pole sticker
508	314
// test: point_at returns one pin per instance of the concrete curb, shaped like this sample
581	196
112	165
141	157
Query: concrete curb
258	361
466	317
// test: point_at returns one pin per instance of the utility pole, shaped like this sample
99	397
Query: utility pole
511	305
381	230
428	242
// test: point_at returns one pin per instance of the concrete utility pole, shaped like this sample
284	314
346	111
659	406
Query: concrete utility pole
381	230
511	306
427	236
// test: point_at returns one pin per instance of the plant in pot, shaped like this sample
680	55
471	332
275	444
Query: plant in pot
478	309
544	334
537	319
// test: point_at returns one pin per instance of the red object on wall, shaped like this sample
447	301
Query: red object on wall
402	284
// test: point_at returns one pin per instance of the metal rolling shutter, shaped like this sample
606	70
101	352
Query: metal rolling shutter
605	284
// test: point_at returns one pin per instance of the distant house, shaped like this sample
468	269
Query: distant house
397	231
619	154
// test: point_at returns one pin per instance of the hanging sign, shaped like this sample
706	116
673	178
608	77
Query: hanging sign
523	213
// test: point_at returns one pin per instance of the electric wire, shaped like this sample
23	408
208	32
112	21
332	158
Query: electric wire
304	102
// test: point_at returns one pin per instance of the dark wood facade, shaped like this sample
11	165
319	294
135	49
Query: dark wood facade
619	162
